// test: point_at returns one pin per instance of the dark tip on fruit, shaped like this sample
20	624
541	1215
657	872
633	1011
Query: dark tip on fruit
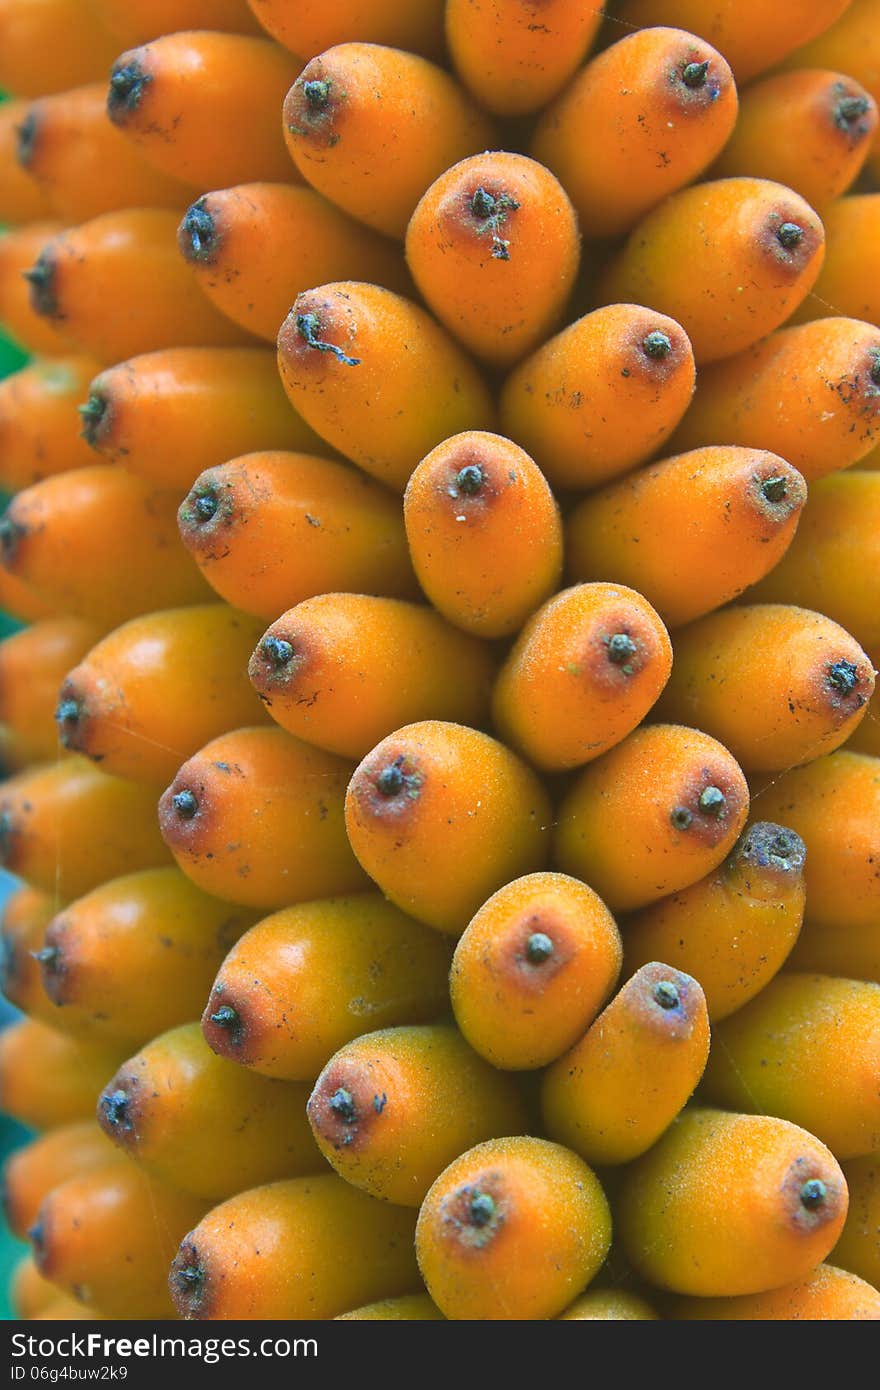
308	328
231	1026
843	676
53	969
694	74
26	139
491	209
115	1111
6	833
8	972
539	948
41	278
787	849
483	203
226	1017
470	479
790	235
481	1209
317	93
206	507
774	489
185	803
198	233
712	801
681	817
11	533
394	783
666	995
391	779
277	651
92	414
813	1194
850	109
343	1106
37	1236
128	82
874	370
204	504
620	648
782	845
768	845
657	344
189	1277
486	205
48	957
67	714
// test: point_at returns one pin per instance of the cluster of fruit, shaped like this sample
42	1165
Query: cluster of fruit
445	788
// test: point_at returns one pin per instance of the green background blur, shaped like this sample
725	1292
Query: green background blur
12	1135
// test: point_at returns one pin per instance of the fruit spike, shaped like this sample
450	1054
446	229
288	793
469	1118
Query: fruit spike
502	530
